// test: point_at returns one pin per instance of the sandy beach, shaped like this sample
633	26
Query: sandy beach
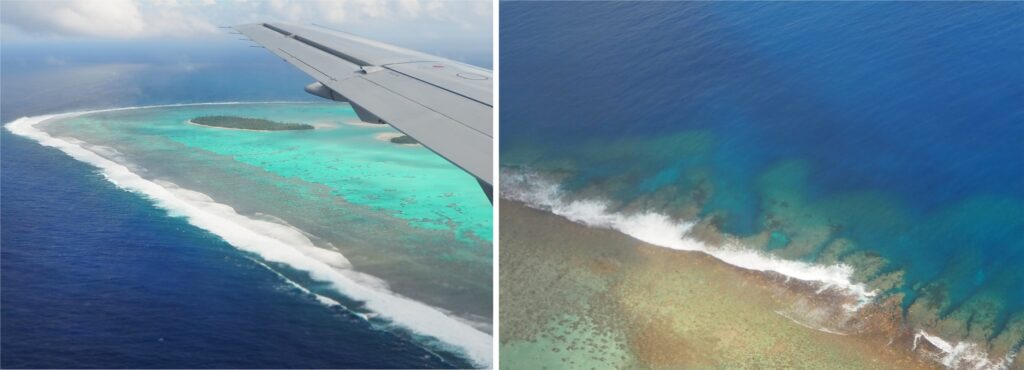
578	297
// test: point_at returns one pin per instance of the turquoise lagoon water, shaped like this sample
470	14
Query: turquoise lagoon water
342	154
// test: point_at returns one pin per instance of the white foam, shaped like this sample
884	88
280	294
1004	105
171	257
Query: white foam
963	355
272	242
658	229
326	301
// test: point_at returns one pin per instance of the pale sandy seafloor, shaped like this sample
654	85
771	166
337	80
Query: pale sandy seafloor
574	297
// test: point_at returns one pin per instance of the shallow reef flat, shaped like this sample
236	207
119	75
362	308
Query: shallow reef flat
575	297
949	267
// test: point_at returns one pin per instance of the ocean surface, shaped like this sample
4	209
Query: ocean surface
876	147
135	239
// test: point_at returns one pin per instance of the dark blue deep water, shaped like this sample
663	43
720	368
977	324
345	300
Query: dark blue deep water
895	127
92	276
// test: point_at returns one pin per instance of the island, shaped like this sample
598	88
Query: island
397	138
404	139
243	123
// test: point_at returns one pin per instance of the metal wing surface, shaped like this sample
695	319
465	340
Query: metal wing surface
443	104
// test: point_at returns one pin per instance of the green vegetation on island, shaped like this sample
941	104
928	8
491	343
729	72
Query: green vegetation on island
404	139
244	123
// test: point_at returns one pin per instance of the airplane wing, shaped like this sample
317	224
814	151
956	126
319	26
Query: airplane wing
443	104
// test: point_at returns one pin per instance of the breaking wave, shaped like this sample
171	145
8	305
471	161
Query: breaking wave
962	355
661	230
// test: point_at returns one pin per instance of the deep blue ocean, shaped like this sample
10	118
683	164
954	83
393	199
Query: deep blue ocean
92	276
896	128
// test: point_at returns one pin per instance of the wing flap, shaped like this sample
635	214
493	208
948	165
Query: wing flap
466	111
472	83
458	78
360	50
312	61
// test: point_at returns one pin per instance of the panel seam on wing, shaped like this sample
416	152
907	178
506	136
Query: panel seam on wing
427	107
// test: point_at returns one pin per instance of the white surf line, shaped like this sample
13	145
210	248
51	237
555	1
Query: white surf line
320	298
329	302
963	355
272	241
660	230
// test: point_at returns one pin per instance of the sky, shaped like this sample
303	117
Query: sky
62	55
455	29
131	19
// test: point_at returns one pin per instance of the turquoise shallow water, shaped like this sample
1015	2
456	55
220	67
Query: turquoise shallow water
399	213
421	187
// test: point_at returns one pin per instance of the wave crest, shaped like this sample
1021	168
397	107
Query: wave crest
659	229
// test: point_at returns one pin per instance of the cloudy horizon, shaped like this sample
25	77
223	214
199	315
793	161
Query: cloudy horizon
76	54
451	29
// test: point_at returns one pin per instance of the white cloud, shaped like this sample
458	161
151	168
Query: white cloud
409	8
73	17
54	61
103	19
195	18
